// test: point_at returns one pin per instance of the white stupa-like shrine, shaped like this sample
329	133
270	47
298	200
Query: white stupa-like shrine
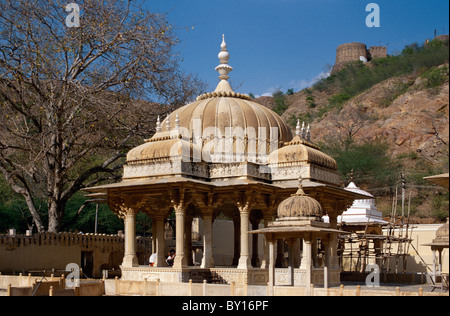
362	212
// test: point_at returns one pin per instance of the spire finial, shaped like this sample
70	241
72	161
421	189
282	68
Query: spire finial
158	125
177	121
351	175
224	56
308	133
300	186
303	130
168	123
297	129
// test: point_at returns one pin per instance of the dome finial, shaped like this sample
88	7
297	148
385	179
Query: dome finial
300	186
224	56
297	129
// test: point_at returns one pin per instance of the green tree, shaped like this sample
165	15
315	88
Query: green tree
279	100
369	160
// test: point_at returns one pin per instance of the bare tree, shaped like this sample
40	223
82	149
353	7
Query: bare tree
349	124
68	109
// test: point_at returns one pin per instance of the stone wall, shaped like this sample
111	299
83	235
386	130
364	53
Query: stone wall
158	288
52	286
48	251
378	52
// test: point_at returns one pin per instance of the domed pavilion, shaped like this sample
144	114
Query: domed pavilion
220	155
299	217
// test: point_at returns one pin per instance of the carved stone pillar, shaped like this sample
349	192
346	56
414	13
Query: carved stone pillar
180	200
265	261
326	263
130	258
307	250
244	260
272	258
334	258
290	243
160	242
207	261
188	241
245	202
180	258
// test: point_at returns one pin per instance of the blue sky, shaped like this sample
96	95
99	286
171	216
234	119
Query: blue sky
286	43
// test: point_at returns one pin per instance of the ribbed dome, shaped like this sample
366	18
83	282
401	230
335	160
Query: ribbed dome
212	116
301	151
442	237
226	125
442	232
164	149
299	205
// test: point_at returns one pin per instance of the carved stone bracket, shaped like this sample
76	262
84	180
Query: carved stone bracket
123	206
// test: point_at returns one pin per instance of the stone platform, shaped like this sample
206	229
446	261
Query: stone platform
226	275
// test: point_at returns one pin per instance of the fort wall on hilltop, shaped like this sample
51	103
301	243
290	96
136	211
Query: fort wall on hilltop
349	52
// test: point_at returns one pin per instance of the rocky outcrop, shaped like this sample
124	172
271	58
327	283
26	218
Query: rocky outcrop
403	111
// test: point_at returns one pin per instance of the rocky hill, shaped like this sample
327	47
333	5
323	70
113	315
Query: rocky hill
409	112
402	110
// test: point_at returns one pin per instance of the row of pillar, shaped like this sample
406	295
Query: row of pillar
244	262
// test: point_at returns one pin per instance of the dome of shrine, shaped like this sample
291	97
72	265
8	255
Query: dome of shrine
299	205
442	232
299	150
162	149
217	114
223	118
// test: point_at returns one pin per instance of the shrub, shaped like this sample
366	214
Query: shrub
311	102
435	76
279	100
370	161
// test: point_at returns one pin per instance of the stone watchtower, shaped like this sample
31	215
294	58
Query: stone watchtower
349	52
